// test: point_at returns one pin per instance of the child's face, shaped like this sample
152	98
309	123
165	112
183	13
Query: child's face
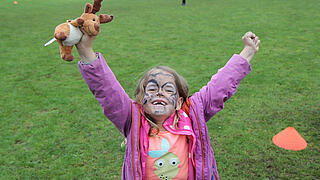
161	97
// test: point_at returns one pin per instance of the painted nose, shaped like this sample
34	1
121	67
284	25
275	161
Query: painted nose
97	27
159	93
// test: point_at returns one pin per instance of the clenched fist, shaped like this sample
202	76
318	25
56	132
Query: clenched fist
251	45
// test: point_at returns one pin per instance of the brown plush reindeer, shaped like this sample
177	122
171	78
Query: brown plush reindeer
69	34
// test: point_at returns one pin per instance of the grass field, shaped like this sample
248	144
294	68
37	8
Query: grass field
51	127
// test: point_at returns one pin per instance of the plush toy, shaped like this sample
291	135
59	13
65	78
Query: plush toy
69	34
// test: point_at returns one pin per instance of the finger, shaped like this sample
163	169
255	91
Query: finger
258	44
256	39
246	36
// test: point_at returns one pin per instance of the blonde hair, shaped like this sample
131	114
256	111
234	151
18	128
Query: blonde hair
181	85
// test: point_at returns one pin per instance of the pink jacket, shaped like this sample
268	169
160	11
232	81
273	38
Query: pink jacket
125	113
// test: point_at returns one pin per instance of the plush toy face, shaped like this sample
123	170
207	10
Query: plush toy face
91	24
91	21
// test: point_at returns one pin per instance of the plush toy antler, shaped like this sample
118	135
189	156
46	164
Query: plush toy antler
96	6
69	34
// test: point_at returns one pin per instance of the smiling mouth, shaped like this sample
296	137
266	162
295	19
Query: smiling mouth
159	102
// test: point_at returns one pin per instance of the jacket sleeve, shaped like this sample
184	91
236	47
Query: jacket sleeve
222	85
114	101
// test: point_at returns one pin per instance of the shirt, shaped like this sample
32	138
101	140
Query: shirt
167	157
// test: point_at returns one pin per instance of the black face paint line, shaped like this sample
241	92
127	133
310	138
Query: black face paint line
145	98
173	97
152	81
173	100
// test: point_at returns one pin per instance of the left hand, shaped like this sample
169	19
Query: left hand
251	45
251	40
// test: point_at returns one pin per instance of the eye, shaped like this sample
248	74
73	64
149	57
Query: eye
160	163
169	90
93	19
152	88
174	162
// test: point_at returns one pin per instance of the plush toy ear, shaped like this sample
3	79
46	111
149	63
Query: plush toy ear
77	22
104	18
96	6
88	8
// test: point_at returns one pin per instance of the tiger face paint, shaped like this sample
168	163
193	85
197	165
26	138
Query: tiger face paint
161	97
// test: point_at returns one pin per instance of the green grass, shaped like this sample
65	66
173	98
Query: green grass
51	127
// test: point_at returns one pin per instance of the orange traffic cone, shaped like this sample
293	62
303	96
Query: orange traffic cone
289	139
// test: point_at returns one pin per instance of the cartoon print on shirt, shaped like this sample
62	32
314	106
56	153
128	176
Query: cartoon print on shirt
168	165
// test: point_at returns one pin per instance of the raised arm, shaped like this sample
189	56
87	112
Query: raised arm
101	81
225	83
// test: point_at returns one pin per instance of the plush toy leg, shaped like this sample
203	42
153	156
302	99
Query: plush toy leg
65	52
62	31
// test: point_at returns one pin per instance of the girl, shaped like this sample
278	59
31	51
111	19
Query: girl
167	136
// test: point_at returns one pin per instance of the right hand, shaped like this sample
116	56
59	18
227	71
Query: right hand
84	47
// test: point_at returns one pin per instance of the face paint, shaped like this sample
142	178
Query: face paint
145	98
171	89
173	99
160	99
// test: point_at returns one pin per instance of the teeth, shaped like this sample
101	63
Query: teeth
161	103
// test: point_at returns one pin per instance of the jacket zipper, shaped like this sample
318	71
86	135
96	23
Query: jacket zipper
132	141
214	174
200	139
138	140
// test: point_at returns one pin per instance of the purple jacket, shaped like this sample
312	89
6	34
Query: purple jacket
125	113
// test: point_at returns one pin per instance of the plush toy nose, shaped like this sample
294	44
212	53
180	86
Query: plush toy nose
97	27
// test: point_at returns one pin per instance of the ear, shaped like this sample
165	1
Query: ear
104	18
179	103
77	22
88	8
